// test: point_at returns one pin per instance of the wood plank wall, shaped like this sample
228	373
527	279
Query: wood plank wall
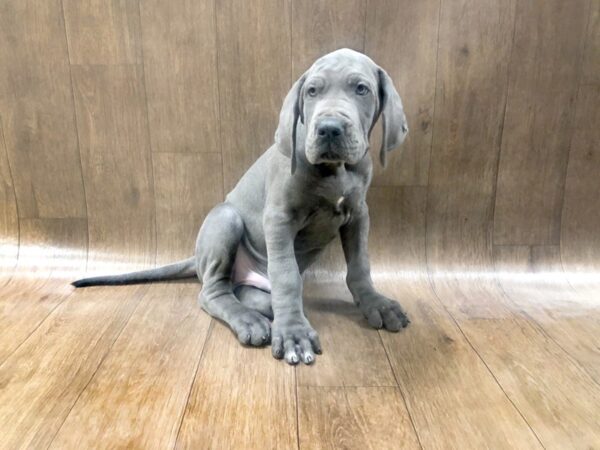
125	121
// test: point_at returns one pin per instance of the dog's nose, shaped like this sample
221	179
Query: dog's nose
330	128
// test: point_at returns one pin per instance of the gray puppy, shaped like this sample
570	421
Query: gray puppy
310	185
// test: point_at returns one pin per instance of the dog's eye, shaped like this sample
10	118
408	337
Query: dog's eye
311	91
362	89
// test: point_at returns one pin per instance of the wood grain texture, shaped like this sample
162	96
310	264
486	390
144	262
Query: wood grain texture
149	371
590	67
117	164
251	98
187	187
361	418
103	32
402	37
533	279
321	27
352	351
580	242
470	97
36	106
9	218
446	413
180	65
132	118
42	380
557	398
241	398
447	409
56	249
543	76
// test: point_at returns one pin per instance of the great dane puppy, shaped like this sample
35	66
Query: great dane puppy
310	185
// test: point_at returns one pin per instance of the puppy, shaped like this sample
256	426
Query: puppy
310	185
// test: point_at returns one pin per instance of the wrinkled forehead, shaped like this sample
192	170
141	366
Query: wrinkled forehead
340	65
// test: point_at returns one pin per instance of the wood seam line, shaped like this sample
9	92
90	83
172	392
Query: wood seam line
183	152
141	37
12	182
200	358
366	9
575	362
76	123
291	80
492	219
575	109
539	326
410	417
432	286
295	372
489	370
64	299
219	109
108	351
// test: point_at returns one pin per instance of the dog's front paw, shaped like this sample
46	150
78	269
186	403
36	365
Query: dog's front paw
295	340
381	312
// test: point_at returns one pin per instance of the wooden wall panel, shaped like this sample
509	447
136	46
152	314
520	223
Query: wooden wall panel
254	45
543	76
580	239
180	64
402	37
115	148
9	220
36	106
187	187
590	69
103	32
320	27
470	98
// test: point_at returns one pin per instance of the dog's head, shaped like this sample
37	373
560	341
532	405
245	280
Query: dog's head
333	107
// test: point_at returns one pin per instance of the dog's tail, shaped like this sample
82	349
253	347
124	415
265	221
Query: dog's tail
175	271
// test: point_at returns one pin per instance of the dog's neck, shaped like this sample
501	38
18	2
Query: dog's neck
331	169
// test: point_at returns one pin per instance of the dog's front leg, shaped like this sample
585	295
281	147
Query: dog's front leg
379	310
292	336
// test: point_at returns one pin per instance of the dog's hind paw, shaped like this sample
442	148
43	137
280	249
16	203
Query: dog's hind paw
252	328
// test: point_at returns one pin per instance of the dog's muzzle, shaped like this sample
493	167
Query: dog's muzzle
330	139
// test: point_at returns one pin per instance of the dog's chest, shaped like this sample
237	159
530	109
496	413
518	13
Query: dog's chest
332	207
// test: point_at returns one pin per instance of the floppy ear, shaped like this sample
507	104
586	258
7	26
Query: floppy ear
395	127
291	111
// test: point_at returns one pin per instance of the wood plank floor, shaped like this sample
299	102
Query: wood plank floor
144	367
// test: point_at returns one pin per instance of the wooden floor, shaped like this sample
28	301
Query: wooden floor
486	362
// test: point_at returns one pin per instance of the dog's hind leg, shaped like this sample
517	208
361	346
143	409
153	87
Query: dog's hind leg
256	299
216	248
